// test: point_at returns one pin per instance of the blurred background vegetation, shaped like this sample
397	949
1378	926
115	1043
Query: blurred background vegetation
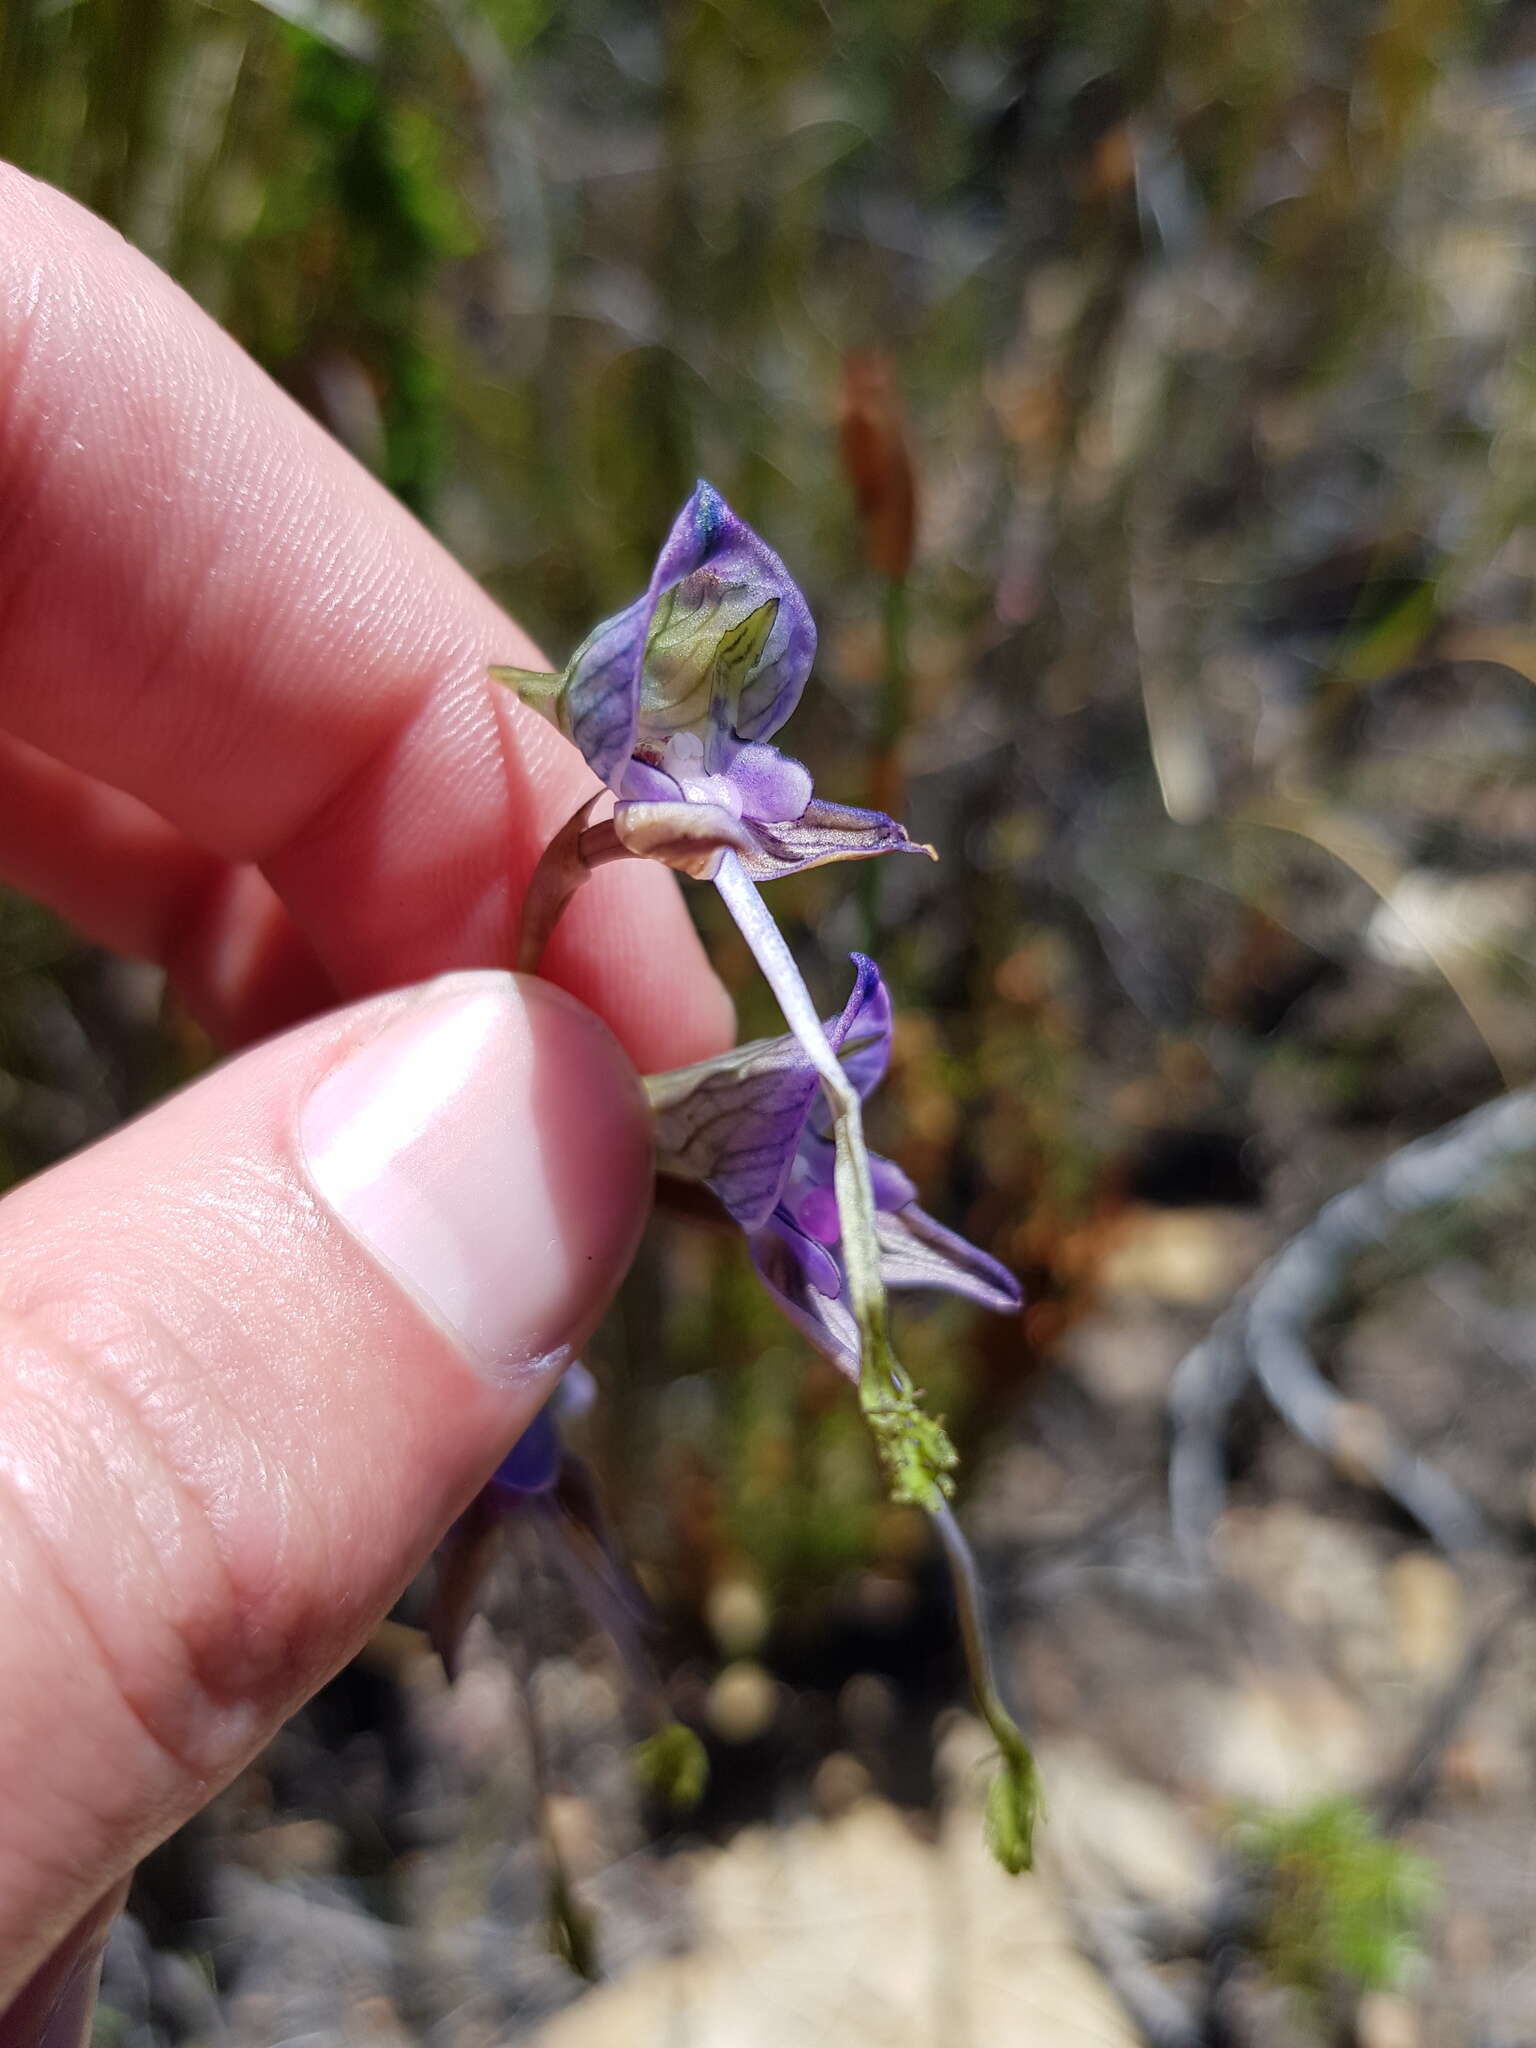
1144	393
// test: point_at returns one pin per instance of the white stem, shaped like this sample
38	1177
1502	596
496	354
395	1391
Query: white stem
782	975
855	1194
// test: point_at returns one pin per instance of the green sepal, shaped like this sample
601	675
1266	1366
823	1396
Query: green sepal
1013	1808
541	690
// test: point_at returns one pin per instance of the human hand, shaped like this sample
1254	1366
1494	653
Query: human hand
258	1348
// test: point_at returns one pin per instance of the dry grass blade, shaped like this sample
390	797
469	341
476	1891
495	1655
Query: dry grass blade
1369	854
1263	1336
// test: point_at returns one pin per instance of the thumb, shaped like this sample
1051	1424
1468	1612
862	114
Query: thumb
256	1350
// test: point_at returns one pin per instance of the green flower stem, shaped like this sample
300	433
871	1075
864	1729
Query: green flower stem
1013	1802
918	1455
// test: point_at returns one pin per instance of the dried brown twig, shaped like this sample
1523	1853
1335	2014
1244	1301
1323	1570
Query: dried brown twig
1263	1336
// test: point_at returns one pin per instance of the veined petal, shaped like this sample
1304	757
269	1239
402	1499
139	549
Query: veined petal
596	700
793	1268
818	1266
720	644
600	702
739	1123
685	836
861	1038
917	1252
734	1123
729	640
824	832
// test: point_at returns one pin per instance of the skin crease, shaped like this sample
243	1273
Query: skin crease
245	730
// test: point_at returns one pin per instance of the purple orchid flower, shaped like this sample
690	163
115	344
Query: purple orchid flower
753	1126
673	700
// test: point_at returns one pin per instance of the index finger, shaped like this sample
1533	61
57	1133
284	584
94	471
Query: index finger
208	604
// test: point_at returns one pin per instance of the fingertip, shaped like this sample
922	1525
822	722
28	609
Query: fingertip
256	1350
628	948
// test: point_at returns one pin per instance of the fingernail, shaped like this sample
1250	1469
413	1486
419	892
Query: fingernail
489	1147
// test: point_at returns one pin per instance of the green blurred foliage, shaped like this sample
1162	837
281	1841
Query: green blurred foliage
1342	1901
672	1766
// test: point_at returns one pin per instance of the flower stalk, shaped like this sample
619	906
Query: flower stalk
1013	1800
917	1455
673	702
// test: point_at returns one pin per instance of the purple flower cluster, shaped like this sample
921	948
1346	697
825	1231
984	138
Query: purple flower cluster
672	702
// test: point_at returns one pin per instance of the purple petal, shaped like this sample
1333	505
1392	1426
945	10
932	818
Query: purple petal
815	1211
734	1123
917	1252
892	1189
771	786
720	644
719	632
644	783
599	703
822	833
741	1122
715	789
685	836
810	1195
819	1270
798	1273
861	1037
533	1463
